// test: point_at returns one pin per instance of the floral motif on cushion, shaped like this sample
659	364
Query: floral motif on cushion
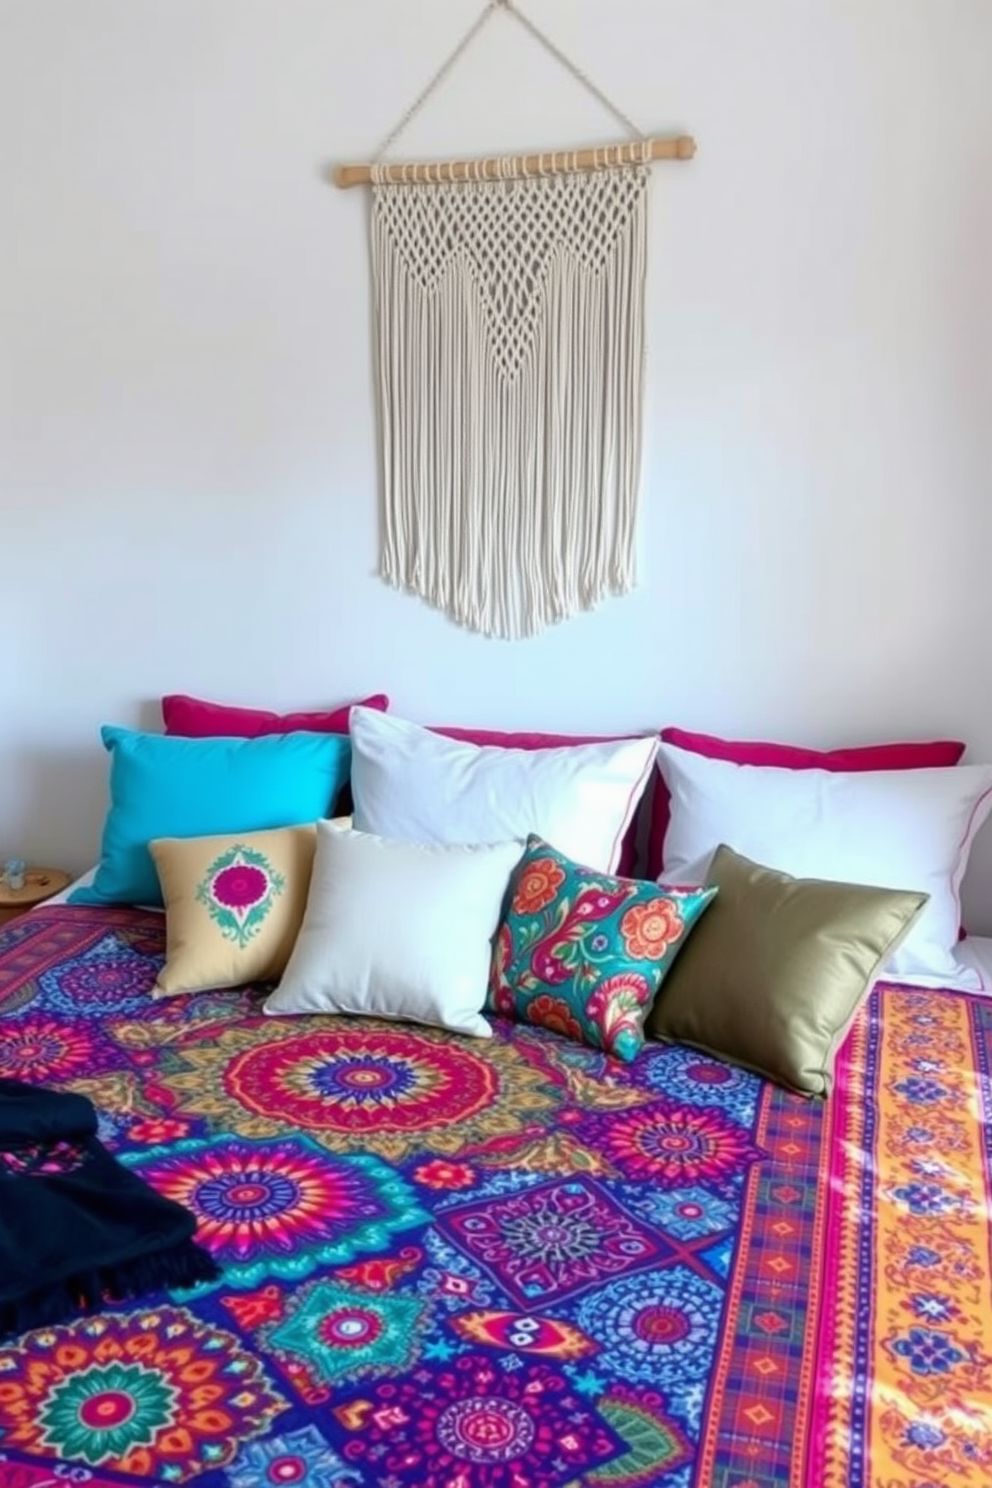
582	953
239	890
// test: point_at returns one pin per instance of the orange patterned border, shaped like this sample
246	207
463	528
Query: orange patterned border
903	1376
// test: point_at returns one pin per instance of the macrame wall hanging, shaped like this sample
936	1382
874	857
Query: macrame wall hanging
509	304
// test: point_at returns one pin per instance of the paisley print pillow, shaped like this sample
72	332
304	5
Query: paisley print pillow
584	953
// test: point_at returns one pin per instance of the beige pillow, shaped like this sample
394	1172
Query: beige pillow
775	971
233	903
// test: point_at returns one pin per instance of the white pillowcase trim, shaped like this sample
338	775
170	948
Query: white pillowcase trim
901	829
399	930
412	784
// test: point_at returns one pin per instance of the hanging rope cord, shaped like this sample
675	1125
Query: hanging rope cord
448	66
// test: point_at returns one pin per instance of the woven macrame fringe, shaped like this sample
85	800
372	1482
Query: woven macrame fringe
510	365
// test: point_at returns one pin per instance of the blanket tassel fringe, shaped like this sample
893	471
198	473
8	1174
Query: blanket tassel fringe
85	1291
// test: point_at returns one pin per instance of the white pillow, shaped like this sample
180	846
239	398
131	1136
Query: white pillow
410	783
398	930
898	829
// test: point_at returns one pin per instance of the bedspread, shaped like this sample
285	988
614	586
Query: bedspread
512	1263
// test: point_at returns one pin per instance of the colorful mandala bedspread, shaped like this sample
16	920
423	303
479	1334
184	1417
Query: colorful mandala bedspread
509	1264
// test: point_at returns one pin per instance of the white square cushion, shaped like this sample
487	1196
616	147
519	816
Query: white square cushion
398	930
410	783
897	829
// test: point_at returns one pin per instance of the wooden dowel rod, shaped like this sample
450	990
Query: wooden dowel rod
494	168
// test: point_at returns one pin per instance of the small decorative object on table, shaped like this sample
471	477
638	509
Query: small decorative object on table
21	888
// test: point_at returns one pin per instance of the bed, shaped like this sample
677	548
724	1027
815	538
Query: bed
451	1263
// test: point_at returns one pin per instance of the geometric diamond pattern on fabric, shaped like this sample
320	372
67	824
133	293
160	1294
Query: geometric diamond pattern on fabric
509	232
553	1241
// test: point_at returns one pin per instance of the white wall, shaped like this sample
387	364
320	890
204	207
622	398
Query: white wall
187	441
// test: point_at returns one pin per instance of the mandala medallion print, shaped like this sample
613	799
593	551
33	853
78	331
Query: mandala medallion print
154	1394
281	1207
239	890
300	1459
655	1330
671	1144
109	978
42	1048
338	1332
474	1425
392	1092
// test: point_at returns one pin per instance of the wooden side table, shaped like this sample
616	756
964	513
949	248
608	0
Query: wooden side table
40	884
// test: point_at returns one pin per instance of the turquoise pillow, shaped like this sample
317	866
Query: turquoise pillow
583	953
162	786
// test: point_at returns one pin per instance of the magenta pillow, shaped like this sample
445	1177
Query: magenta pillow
496	739
937	754
192	718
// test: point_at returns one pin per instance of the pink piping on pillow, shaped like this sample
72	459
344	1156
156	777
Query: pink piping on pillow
192	718
626	865
629	831
957	876
935	754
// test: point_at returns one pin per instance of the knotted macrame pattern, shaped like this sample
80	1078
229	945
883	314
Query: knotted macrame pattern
510	318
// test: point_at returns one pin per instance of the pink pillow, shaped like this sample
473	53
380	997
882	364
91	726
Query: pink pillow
495	739
939	754
191	718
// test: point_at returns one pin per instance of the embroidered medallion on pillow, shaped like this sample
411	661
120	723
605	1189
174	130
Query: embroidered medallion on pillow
171	787
233	904
583	953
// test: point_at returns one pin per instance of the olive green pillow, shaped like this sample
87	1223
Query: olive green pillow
775	971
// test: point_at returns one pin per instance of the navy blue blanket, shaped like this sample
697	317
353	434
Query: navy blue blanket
78	1230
